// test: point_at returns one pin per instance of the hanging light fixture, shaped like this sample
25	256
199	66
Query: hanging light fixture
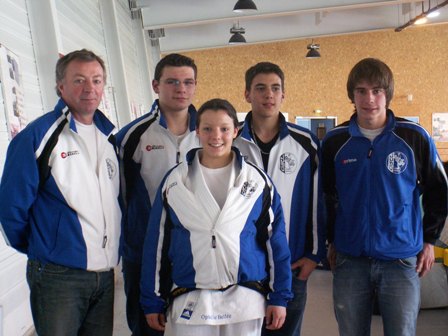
421	21
237	34
433	14
244	5
423	16
313	50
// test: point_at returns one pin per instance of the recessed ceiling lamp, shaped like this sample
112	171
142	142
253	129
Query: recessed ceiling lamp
237	34
313	50
244	5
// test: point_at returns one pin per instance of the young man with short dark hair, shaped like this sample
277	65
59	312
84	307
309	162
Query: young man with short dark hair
290	156
149	147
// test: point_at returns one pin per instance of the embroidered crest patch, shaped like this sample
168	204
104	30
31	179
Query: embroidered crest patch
111	168
288	163
396	162
249	188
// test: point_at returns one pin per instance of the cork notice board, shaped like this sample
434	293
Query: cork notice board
417	57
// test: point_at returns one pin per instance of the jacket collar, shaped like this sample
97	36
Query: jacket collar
99	119
354	127
162	121
246	131
192	153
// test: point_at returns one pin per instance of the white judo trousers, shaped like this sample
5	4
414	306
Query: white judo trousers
246	328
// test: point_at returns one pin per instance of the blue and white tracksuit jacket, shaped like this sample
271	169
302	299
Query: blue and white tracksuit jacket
61	221
147	151
192	243
294	168
373	190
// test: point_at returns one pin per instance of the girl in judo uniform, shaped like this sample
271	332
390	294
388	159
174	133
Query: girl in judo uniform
216	259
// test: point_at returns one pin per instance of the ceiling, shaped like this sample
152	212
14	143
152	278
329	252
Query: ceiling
181	25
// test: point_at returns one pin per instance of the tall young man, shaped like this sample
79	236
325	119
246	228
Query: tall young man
379	171
290	155
59	204
149	147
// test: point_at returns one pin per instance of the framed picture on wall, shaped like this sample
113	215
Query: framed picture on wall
440	126
12	89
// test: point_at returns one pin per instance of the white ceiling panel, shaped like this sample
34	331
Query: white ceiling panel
199	24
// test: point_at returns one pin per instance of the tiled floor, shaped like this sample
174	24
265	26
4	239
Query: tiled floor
319	319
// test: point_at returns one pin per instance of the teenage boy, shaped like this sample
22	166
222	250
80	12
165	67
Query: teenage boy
290	156
386	195
149	147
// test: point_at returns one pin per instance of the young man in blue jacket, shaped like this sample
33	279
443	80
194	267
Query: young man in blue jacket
149	147
290	156
59	204
386	194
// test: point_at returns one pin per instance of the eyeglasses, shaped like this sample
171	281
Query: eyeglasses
189	83
364	91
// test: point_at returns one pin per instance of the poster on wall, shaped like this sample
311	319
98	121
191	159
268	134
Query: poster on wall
104	106
12	89
440	126
107	105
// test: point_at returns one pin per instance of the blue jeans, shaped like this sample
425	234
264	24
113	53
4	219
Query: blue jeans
70	302
294	311
134	313
397	285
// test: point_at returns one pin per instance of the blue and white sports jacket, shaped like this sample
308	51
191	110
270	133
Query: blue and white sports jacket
294	168
373	189
58	218
192	243
147	151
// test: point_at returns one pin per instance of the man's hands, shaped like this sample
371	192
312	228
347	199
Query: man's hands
156	321
425	259
275	317
306	267
331	256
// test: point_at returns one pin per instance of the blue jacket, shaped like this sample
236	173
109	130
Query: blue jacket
70	216
373	189
294	168
192	243
147	151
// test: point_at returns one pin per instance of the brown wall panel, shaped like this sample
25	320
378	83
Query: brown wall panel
417	56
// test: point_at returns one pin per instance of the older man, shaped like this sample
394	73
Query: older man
59	204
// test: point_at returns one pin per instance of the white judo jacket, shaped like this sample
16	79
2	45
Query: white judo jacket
192	243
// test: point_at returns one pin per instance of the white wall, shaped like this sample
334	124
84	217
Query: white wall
136	66
16	36
37	32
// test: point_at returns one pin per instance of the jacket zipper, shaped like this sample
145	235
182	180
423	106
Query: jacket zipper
213	239
369	156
